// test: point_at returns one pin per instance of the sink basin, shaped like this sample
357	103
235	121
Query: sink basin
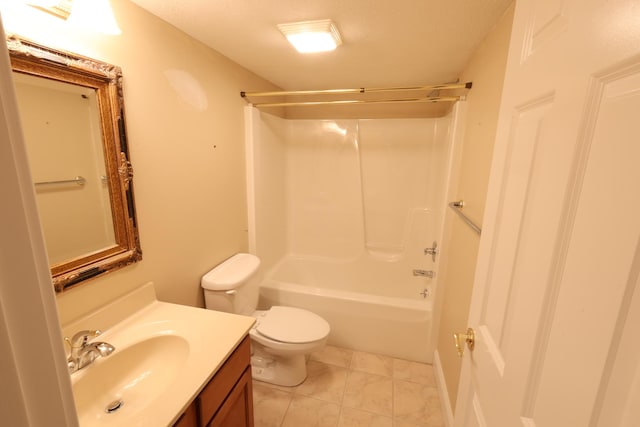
114	389
164	355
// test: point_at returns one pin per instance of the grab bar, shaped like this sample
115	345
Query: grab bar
77	180
457	208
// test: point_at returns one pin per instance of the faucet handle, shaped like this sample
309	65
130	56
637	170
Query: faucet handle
80	339
433	251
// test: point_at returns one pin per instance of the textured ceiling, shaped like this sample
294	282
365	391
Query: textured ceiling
385	42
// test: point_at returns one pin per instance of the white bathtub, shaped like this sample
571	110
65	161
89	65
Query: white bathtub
360	320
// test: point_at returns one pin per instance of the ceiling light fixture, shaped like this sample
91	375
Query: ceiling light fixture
312	36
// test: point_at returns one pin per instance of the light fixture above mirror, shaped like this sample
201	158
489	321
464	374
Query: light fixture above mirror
59	8
94	15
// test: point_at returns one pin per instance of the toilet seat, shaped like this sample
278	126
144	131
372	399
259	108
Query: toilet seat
291	325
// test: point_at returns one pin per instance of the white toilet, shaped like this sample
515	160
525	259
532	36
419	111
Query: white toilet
281	336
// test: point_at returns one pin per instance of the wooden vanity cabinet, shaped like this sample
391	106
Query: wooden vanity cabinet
189	418
226	401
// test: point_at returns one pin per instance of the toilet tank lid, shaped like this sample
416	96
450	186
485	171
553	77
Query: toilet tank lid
231	273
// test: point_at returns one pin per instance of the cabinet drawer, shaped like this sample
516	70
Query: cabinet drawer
214	393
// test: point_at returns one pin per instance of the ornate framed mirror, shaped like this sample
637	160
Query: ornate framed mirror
72	114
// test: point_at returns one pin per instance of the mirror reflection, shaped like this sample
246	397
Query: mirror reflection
71	108
64	144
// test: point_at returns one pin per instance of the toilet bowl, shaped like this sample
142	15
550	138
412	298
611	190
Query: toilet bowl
281	337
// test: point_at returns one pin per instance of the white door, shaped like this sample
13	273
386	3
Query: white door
557	289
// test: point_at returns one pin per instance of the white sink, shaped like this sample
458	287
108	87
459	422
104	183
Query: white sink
126	382
164	355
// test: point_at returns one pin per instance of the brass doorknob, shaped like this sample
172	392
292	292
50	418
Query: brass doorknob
468	337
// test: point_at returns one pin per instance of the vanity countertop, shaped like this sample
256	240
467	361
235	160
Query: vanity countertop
189	345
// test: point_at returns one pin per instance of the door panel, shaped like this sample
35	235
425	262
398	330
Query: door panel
599	266
547	20
559	257
475	417
526	129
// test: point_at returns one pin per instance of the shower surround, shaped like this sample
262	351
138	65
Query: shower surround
340	212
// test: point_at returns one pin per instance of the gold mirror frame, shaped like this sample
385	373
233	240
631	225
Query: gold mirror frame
33	59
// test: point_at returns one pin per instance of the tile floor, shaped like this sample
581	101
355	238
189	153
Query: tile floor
346	388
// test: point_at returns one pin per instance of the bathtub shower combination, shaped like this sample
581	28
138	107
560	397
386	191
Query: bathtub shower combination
341	213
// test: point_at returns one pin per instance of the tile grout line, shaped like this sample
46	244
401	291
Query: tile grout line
344	390
284	416
350	369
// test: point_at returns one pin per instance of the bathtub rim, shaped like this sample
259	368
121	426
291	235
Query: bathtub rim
425	304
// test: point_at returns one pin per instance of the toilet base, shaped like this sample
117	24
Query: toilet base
288	371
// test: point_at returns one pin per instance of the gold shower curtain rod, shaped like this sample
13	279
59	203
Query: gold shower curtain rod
354	101
358	90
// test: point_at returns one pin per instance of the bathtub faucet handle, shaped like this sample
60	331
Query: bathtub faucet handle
433	251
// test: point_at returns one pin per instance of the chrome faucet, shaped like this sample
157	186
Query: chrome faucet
424	273
83	352
433	251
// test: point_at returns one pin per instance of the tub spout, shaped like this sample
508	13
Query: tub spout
424	273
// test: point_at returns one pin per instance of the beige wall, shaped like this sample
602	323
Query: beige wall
486	70
185	128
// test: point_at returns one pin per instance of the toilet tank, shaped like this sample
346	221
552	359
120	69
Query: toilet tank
229	286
